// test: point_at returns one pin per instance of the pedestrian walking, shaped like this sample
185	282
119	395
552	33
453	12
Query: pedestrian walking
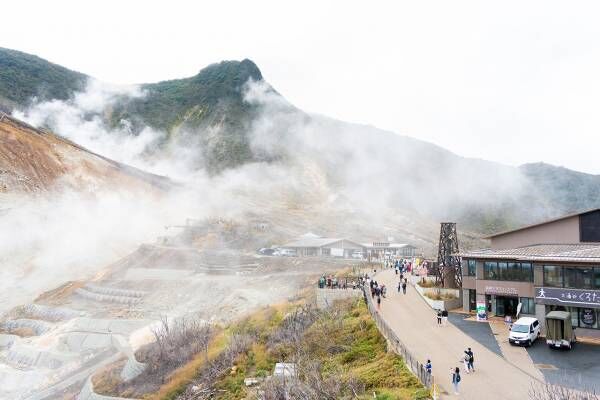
404	287
455	379
428	367
379	302
444	317
466	363
439	317
471	363
399	286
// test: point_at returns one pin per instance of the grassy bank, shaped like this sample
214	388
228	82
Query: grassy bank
341	346
339	354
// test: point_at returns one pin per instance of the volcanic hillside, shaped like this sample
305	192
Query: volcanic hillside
212	115
32	161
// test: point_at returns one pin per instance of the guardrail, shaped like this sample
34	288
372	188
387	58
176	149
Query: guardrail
417	368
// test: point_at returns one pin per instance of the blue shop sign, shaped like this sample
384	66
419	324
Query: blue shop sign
567	297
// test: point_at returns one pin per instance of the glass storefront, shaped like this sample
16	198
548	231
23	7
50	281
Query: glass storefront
472	300
506	305
581	317
527	305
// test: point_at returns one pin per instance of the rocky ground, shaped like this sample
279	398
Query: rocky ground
50	347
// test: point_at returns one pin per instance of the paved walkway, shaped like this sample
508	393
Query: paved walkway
516	355
415	324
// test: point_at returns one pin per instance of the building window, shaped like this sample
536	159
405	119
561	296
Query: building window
580	278
553	276
574	316
527	272
588	318
527	305
471	267
589	227
508	271
490	270
503	271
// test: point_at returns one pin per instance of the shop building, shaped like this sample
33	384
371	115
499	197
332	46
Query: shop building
309	246
540	268
380	250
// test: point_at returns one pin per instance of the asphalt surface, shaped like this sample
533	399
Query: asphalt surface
578	368
413	321
479	331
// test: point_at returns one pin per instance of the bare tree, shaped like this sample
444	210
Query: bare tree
310	384
175	343
202	387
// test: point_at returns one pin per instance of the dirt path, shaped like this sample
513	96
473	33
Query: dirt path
415	324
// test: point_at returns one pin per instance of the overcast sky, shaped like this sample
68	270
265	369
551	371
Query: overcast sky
509	81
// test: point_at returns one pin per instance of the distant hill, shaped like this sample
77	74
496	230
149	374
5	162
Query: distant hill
24	76
362	165
211	99
568	189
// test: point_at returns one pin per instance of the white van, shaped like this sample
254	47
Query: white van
525	331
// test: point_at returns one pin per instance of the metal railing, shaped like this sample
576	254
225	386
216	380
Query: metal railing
417	368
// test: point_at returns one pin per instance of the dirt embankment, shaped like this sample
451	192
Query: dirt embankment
32	160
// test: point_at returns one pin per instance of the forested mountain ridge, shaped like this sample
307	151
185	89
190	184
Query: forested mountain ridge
210	114
24	77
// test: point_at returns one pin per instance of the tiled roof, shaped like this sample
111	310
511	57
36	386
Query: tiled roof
311	242
589	253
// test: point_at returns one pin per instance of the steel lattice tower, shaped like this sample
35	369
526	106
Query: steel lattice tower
449	271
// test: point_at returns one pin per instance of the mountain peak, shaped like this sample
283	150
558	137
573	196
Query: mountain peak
231	72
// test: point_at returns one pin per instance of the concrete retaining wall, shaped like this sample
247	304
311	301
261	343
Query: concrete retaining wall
440	304
133	367
114	291
105	298
37	326
38	311
7	340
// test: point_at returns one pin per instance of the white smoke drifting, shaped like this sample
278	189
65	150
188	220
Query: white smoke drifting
323	166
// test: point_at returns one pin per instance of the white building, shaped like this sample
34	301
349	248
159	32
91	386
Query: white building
381	249
309	245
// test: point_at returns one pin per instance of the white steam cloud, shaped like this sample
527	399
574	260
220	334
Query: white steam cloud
349	180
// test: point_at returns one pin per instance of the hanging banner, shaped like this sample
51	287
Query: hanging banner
481	311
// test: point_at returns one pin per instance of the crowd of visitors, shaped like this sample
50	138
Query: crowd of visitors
333	282
403	269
